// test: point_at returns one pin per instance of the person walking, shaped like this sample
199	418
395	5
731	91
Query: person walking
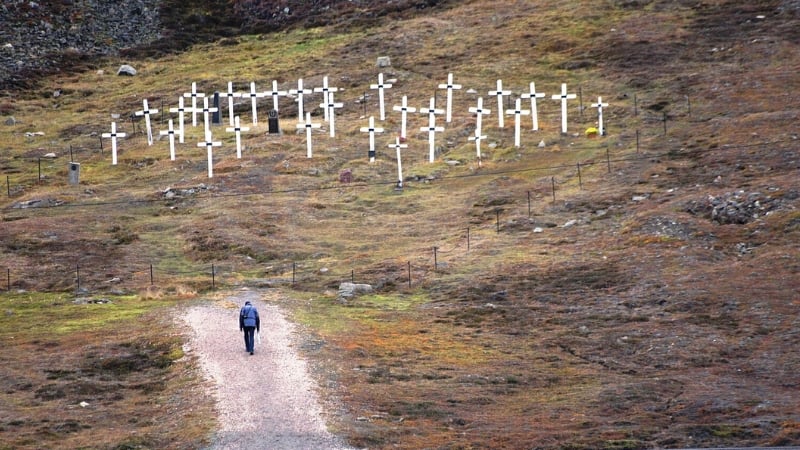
250	323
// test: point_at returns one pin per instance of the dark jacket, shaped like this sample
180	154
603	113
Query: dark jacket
248	317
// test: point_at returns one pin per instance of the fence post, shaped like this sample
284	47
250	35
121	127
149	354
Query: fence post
294	271
580	180
665	123
553	182
435	262
213	278
608	159
352	276
409	273
468	239
8	279
8	185
497	213
529	204
77	277
39	179
637	141
635	106
151	274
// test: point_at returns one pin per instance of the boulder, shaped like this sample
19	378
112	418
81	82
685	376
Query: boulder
126	70
349	290
383	61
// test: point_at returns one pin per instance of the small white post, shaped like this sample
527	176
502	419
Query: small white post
209	144
449	86
324	90
380	87
600	105
500	93
254	96
194	95
477	138
230	94
563	97
308	125
207	110
404	110
332	105
113	135
371	129
171	133
299	93
238	130
180	110
397	146
432	129
533	95
479	111
275	93
517	112
146	113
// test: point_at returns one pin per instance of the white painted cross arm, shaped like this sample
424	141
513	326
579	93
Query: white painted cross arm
449	86
380	87
500	93
324	90
533	95
180	110
194	95
146	113
600	105
113	135
209	144
564	97
254	96
171	133
299	92
330	107
275	93
238	130
231	95
517	112
371	129
308	125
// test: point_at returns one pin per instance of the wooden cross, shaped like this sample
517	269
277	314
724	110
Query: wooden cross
533	95
449	86
380	87
299	93
563	97
238	130
254	96
171	133
331	105
371	130
600	105
209	144
404	110
194	95
479	113
113	135
325	89
180	110
275	94
146	113
230	94
432	129
207	110
308	125
432	110
477	138
499	93
397	146
517	112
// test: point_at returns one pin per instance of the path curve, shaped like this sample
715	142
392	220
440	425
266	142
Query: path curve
264	401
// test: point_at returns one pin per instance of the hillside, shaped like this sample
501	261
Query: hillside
632	290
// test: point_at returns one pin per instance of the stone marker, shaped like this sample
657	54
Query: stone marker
146	113
432	129
600	105
563	97
404	110
371	130
500	93
272	121
194	96
254	96
383	61
180	110
210	144
517	112
324	90
449	86
215	116
299	92
238	130
397	146
381	86
533	95
171	133
308	125
231	95
74	175
331	105
113	135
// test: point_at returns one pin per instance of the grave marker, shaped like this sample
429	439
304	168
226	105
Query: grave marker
254	96
272	121
332	105
397	146
209	144
299	93
477	138
371	129
479	113
324	90
238	130
231	95
564	97
404	110
517	112
275	93
500	93
215	117
533	95
449	86
600	105
171	133
380	87
113	135
308	125
207	110
431	111
146	113
180	110
194	95
432	129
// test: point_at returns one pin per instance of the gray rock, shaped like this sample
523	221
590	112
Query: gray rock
11	120
384	61
126	70
349	290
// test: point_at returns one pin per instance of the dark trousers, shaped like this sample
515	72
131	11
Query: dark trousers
249	336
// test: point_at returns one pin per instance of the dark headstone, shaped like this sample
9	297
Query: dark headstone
274	127
346	176
215	116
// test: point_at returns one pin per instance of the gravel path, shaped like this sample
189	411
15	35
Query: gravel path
264	401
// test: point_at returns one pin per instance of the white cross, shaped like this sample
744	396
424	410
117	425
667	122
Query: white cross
431	111
380	87
533	95
194	94
479	113
331	105
146	113
449	86
371	130
308	125
563	97
230	94
397	146
207	110
599	105
404	110
477	138
171	133
238	130
209	144
499	93
180	110
325	89
299	93
431	129
275	94
254	96
517	112
113	135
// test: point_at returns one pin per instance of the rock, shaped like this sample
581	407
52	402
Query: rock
11	120
383	61
126	70
50	155
538	230
542	144
570	223
349	290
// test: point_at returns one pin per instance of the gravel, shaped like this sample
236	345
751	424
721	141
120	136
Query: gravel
264	401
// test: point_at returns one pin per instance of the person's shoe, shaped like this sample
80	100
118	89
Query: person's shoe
251	353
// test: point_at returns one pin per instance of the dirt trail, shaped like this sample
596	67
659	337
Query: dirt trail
264	401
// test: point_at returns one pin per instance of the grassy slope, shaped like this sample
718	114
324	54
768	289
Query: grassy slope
642	325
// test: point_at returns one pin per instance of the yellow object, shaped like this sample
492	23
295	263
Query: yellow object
592	132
